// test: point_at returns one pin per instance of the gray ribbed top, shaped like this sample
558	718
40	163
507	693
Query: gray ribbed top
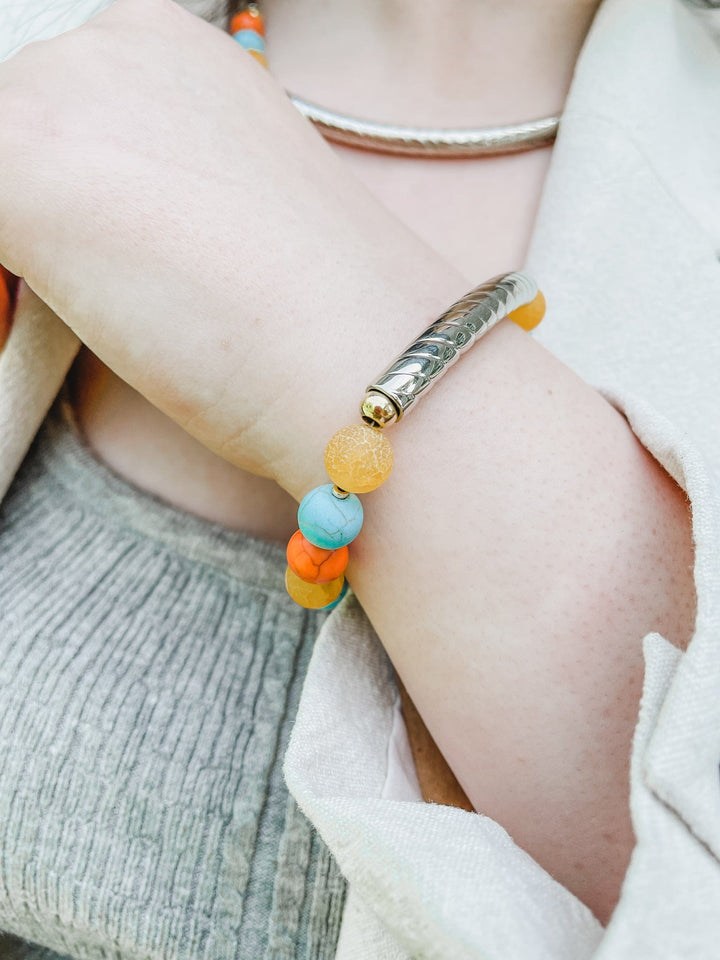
150	671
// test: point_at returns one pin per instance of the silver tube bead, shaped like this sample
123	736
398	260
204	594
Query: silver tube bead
428	357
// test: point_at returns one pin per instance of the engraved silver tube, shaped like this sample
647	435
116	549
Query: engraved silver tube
426	359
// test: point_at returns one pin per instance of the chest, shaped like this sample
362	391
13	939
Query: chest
478	214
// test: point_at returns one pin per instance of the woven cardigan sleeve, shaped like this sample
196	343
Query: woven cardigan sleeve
33	364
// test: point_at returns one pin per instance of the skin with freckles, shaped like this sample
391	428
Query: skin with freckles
285	268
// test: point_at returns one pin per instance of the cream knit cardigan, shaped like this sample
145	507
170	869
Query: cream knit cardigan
626	248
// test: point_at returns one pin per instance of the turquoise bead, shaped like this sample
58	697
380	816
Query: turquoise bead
327	521
337	600
250	39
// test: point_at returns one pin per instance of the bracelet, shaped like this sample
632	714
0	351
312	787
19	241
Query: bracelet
359	457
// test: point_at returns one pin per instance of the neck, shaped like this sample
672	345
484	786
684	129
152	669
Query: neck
465	63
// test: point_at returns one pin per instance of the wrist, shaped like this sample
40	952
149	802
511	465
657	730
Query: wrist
334	363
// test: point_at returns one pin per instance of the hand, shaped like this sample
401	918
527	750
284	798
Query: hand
168	202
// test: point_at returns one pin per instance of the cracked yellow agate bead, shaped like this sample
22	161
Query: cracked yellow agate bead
312	595
359	458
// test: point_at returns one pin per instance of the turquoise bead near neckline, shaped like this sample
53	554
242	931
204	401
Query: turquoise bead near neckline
327	521
250	40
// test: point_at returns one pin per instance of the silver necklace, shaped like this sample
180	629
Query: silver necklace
428	142
390	138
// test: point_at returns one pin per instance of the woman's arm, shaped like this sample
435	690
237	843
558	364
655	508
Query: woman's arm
523	546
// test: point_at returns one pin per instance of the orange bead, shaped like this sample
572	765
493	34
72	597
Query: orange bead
5	309
312	595
529	316
247	20
314	564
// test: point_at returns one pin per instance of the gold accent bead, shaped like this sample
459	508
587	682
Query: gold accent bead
358	458
378	409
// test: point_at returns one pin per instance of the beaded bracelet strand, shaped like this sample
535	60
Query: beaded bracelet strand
359	457
248	28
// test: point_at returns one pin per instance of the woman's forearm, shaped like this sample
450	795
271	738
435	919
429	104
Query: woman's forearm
511	565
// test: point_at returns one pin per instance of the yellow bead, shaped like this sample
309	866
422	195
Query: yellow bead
359	458
529	316
259	56
312	595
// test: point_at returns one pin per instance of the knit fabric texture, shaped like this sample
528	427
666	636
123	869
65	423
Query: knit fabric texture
151	665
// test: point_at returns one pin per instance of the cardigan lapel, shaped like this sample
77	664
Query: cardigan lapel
626	248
